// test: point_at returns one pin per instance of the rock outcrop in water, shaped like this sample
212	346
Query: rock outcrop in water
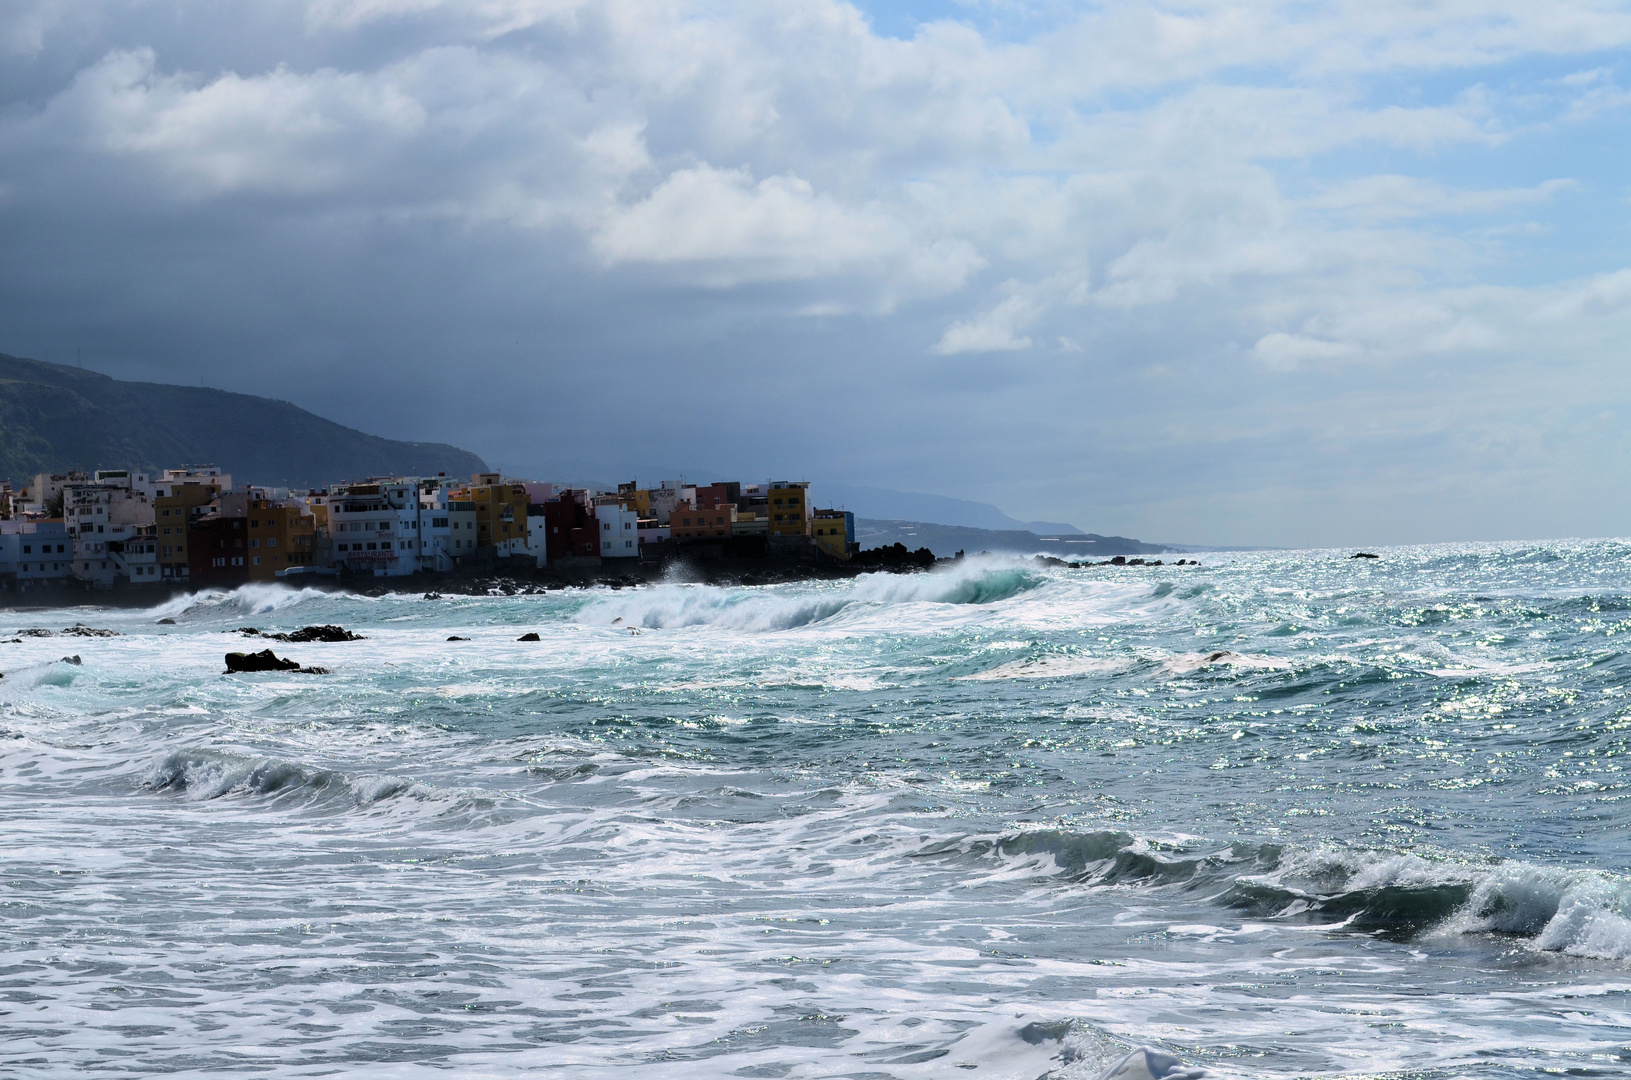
265	660
1363	555
528	637
894	557
76	630
304	634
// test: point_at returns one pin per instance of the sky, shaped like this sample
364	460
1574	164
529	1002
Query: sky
1280	273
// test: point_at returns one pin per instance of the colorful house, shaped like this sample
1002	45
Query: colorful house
834	532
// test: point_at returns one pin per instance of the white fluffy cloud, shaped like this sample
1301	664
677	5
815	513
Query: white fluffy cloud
1294	192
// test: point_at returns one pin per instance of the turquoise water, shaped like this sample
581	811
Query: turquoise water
1283	815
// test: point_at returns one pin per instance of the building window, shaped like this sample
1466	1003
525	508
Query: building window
371	547
28	549
237	560
271	542
257	560
254	543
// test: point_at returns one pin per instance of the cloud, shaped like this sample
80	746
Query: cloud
997	330
1270	212
730	229
1285	352
1391	197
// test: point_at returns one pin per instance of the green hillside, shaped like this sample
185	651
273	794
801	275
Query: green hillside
55	418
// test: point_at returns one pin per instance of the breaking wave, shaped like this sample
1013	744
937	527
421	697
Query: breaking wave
201	775
257	599
785	608
1577	912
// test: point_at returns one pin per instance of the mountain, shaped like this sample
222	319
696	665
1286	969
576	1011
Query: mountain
950	539
883	504
54	418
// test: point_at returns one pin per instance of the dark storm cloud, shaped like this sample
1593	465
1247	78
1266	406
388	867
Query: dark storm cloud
1092	273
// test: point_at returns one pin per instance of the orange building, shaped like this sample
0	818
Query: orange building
171	512
686	523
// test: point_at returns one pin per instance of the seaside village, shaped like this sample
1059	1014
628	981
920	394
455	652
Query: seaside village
190	526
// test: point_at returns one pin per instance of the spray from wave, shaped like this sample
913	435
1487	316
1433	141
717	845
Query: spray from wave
257	599
973	581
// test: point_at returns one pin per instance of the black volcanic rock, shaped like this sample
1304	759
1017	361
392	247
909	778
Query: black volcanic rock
304	634
895	556
265	660
528	637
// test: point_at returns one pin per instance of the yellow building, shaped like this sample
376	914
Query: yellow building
501	513
630	497
171	512
280	536
788	503
317	502
834	532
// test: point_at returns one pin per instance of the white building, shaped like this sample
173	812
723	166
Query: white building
619	530
166	482
33	550
101	518
38	496
668	496
137	554
538	533
400	526
447	529
375	527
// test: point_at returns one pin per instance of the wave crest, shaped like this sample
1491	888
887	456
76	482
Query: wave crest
202	775
1399	897
255	599
784	608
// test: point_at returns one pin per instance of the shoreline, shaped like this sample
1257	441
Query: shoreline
530	582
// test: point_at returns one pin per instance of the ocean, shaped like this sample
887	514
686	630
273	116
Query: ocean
1286	814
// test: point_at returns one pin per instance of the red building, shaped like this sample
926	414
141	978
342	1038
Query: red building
716	495
569	526
216	551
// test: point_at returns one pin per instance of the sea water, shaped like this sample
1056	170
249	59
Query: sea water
1281	815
